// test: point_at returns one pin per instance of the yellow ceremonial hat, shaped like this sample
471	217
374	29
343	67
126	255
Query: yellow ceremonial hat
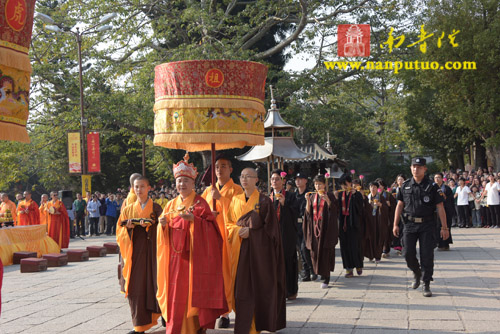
183	168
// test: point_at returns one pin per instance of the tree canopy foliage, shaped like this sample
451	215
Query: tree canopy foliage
367	114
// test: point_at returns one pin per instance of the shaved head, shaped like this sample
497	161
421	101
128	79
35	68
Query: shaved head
250	171
133	177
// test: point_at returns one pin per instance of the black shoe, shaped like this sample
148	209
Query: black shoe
314	277
134	332
306	278
163	322
223	322
417	277
427	290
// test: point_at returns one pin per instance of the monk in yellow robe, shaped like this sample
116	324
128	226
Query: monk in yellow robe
223	192
137	240
190	280
8	206
44	211
257	262
131	197
28	212
59	221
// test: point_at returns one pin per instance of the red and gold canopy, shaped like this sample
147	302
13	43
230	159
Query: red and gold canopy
200	102
16	23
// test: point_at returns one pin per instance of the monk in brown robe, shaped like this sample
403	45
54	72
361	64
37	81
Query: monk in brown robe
190	280
391	204
137	240
257	261
222	193
28	212
376	215
321	229
59	221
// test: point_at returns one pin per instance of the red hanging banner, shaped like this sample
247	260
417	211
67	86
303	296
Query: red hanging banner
93	153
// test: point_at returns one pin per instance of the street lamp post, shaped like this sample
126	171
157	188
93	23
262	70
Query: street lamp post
99	27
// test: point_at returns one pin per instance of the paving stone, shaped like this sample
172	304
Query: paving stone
84	297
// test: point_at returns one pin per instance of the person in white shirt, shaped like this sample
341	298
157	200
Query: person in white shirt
493	201
462	196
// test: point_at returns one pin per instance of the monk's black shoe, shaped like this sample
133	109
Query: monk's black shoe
223	322
134	332
163	322
426	291
417	277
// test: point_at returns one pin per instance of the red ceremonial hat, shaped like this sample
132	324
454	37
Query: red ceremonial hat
183	168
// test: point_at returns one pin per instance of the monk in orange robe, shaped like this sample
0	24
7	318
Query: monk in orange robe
223	192
190	280
28	212
257	262
44	211
59	221
8	206
138	252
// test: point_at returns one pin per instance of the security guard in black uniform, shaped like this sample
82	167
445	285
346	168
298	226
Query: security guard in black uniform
418	199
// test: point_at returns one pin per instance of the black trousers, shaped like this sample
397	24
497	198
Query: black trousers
110	225
425	234
80	223
494	214
484	215
94	229
463	215
305	254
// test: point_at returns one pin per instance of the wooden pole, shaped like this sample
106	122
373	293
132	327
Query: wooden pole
144	156
214	182
268	174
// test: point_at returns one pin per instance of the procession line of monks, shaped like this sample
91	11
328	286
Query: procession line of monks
52	213
234	249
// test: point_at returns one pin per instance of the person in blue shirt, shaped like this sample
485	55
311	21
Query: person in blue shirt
111	211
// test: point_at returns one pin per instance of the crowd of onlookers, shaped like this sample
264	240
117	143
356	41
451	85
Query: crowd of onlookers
476	196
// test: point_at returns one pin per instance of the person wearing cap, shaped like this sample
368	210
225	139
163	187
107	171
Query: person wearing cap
418	199
190	280
223	192
305	254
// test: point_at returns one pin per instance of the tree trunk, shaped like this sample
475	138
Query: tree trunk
457	159
480	154
493	154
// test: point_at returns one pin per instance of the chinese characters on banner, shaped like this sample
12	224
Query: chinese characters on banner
74	153
93	153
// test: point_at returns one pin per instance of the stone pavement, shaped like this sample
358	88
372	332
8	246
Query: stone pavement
85	298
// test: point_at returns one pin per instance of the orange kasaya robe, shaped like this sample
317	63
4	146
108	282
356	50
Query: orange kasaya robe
190	280
44	215
138	251
259	291
59	223
32	217
9	205
239	206
227	192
